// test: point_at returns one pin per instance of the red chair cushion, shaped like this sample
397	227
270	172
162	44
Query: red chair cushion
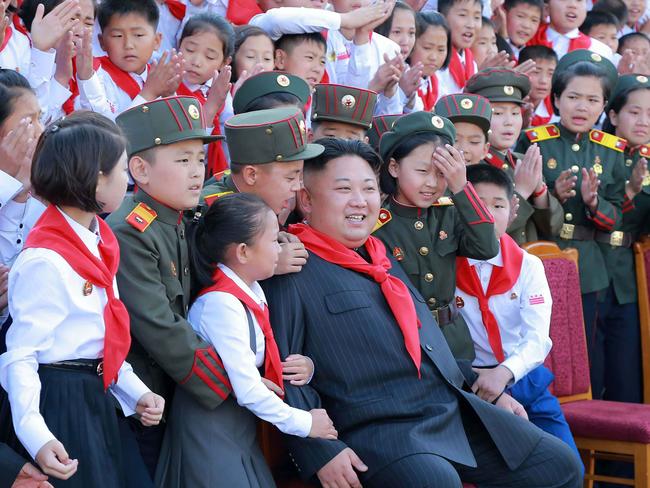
615	421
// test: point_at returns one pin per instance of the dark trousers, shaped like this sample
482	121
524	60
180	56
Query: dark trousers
552	464
149	441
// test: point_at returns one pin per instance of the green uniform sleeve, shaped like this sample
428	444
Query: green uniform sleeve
478	240
549	220
609	212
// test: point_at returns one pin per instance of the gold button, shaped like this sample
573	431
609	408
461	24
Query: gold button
575	168
418	225
423	251
428	277
157	141
269	131
575	147
568	217
505	166
278	157
628	162
432	301
145	109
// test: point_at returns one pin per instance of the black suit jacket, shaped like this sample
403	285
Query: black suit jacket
366	380
10	465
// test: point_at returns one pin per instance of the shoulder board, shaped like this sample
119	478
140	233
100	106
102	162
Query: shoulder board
443	202
645	150
210	199
607	140
219	176
542	133
383	219
141	216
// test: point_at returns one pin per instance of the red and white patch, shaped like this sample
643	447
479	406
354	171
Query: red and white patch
536	299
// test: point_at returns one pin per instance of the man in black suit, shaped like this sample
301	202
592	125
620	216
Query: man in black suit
406	415
15	472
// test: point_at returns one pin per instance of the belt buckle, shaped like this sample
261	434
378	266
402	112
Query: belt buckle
567	231
616	238
100	368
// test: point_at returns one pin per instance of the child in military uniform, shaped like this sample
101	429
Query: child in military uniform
585	171
342	111
538	212
425	229
271	89
379	125
166	161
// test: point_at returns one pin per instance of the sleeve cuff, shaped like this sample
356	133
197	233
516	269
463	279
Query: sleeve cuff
34	434
516	366
9	188
41	66
59	94
303	422
128	389
91	89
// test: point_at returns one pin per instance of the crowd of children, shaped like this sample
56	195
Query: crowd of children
151	157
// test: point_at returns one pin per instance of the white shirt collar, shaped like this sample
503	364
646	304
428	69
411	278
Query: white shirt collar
90	237
205	87
143	77
553	35
495	261
254	291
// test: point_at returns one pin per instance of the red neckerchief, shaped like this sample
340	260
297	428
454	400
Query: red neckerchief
537	119
501	280
461	73
73	86
394	290
272	361
20	27
8	33
176	8
217	161
53	232
540	38
121	78
240	12
429	97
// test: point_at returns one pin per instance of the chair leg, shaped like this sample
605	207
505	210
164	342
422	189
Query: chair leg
642	466
588	459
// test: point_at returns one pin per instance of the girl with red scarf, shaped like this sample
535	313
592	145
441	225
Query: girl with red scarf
70	335
234	246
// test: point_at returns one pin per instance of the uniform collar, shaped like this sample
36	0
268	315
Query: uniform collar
495	261
567	134
164	213
407	211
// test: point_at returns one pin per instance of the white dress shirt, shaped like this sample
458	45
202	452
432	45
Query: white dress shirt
220	319
170	28
101	94
446	83
561	42
15	55
523	314
53	320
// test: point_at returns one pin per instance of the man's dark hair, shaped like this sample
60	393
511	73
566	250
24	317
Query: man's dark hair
273	100
628	37
335	148
595	18
509	4
289	41
69	157
445	5
431	18
537	52
582	68
486	173
148	9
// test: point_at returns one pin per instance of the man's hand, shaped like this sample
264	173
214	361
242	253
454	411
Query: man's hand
528	173
491	382
565	185
47	31
450	162
164	77
589	189
150	409
31	477
506	402
54	460
634	186
293	256
340	471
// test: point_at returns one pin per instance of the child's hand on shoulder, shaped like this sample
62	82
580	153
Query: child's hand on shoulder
297	369
54	460
150	409
164	76
293	255
491	382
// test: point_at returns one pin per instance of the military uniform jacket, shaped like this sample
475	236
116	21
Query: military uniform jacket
636	215
154	282
426	242
219	185
561	150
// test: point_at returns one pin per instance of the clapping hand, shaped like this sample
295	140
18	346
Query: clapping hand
589	189
528	172
218	92
164	76
47	31
565	185
635	184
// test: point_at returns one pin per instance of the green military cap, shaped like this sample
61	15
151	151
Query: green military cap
626	84
466	107
340	103
268	83
163	121
380	124
499	85
267	136
584	55
415	123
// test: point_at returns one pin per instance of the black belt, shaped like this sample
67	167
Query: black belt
616	238
445	315
91	365
577	232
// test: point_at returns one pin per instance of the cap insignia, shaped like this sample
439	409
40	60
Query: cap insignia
596	57
301	126
193	110
508	90
283	81
348	101
466	103
437	122
642	79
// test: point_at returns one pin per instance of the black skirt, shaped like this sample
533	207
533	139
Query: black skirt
86	421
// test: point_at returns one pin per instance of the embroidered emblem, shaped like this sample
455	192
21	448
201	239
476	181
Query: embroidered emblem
551	163
642	79
442	235
173	269
418	225
536	299
437	122
598	168
88	288
607	140
348	101
508	90
398	253
283	81
466	103
460	303
193	110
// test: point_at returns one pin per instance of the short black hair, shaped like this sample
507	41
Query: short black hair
617	103
595	18
69	156
431	18
13	85
335	148
582	68
211	22
618	8
242	34
537	52
387	182
509	4
385	27
486	173
289	41
444	6
148	9
628	37
273	100
232	219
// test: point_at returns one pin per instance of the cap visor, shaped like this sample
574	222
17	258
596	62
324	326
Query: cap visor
310	151
189	135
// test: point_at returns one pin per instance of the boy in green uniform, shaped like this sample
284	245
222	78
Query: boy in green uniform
424	229
584	169
271	89
342	111
538	213
166	161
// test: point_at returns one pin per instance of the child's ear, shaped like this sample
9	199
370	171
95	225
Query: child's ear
280	58
365	139
613	117
304	200
486	150
241	253
139	169
157	41
249	174
393	166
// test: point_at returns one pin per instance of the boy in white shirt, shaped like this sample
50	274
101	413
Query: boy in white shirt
506	303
